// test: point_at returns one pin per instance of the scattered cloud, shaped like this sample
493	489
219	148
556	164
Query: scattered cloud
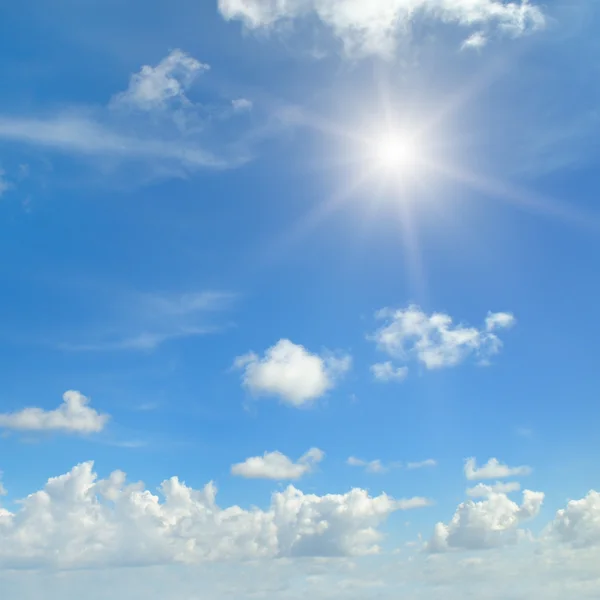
434	340
387	372
74	415
430	462
491	523
4	184
481	490
375	27
277	466
154	87
78	520
241	104
493	469
291	373
371	466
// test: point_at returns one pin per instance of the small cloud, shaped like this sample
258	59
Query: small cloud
73	416
153	87
291	373
430	462
493	469
277	466
372	466
387	372
476	41
242	104
4	183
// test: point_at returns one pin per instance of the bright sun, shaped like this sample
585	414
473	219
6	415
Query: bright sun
395	152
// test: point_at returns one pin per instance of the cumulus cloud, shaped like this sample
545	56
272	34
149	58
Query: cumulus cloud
579	523
375	27
434	340
74	415
493	469
493	522
153	87
275	465
481	490
291	373
475	41
387	372
78	520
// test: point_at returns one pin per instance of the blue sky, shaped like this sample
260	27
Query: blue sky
321	254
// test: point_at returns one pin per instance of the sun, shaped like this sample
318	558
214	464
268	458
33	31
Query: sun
395	152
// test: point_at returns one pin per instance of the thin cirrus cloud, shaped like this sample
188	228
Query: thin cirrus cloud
493	469
377	466
277	466
433	340
144	321
74	415
376	27
65	524
152	120
291	373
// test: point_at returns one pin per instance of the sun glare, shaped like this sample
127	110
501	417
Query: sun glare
395	153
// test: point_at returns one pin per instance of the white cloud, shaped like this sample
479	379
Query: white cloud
291	372
375	27
73	416
153	87
434	340
493	469
430	462
493	522
78	520
579	523
481	490
371	466
275	465
475	41
387	372
241	104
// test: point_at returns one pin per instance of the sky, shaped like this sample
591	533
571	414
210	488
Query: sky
299	297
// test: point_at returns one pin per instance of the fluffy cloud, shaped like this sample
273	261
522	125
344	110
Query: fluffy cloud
434	340
475	41
483	491
72	416
579	523
78	520
387	372
153	87
493	469
493	522
374	27
290	372
275	465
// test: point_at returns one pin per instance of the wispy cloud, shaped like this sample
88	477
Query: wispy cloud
144	321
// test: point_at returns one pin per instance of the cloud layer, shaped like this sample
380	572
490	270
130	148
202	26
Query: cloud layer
78	520
374	27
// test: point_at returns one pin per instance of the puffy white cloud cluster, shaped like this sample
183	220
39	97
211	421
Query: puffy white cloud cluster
275	465
291	373
481	490
434	340
579	523
74	415
491	523
374	27
78	520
